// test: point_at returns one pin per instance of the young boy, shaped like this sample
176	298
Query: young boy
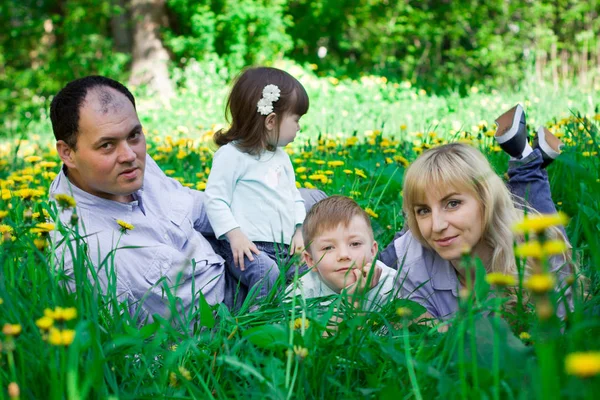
340	253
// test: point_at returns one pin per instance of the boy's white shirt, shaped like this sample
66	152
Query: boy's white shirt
311	285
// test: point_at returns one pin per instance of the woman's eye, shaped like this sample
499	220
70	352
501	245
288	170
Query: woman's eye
355	244
422	211
453	203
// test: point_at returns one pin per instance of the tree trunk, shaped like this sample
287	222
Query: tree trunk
150	57
120	25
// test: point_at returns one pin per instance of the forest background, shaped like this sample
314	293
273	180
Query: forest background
163	46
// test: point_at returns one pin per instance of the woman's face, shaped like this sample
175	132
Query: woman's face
451	221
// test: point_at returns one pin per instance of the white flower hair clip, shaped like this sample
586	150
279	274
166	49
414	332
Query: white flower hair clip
270	94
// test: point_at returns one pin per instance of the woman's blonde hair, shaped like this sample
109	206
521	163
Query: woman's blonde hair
463	167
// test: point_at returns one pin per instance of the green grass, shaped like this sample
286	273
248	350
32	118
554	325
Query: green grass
243	355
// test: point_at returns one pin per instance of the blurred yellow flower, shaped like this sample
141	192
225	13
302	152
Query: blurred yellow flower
44	323
335	163
65	201
403	312
301	352
348	171
539	223
40	243
529	249
300	170
5	229
360	173
14	393
499	279
125	226
540	283
32	159
301	323
371	212
57	337
309	185
3	214
43	227
524	336
583	364
28	194
553	247
12	329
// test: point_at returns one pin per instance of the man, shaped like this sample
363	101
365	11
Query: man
135	220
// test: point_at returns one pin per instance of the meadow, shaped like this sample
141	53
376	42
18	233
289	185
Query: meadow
357	140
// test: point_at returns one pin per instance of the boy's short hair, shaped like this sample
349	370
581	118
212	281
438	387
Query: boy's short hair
328	214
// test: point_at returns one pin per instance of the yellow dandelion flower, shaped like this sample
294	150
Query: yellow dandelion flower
29	194
125	226
201	186
63	314
48	164
57	337
44	323
529	249
43	227
309	185
540	283
372	213
12	329
499	279
185	373
401	160
301	352
65	201
539	223
301	323
6	229
583	364
360	173
553	247
335	163
524	336
351	141
348	171
300	170
40	243
403	312
32	159
3	214
173	382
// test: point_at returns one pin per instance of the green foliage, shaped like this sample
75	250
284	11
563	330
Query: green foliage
242	32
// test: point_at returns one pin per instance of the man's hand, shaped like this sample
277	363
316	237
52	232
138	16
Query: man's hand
297	242
240	247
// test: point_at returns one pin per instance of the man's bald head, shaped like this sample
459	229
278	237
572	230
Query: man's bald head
66	105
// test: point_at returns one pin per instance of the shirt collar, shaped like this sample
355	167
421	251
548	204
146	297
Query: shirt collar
443	274
62	184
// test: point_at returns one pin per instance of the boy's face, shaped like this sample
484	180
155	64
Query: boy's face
335	252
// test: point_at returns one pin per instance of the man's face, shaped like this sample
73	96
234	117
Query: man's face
110	156
335	252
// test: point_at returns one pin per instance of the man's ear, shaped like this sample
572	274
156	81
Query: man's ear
65	152
271	122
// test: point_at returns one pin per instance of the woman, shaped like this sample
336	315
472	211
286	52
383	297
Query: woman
454	202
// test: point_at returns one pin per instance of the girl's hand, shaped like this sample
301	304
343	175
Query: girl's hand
240	247
297	245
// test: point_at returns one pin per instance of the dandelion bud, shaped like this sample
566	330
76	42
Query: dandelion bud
13	391
74	219
40	243
27	214
544	310
464	294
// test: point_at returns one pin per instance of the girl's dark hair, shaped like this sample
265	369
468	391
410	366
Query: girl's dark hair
247	124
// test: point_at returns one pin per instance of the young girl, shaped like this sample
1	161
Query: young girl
251	195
